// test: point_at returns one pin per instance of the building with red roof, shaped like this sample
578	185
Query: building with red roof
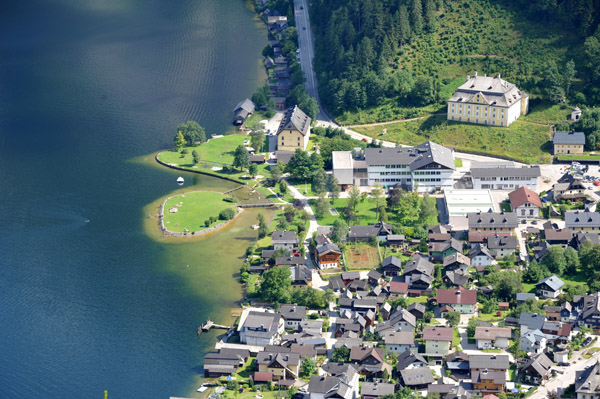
461	300
525	203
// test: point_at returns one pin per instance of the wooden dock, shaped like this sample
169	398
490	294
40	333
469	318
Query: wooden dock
209	324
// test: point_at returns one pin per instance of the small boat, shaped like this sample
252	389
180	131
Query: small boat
201	389
180	180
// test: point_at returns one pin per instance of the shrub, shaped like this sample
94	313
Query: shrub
185	151
207	222
227	214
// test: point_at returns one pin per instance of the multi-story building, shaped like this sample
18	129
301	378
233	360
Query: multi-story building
483	225
587	382
582	221
438	340
461	300
487	100
285	240
294	131
568	142
426	167
504	177
525	203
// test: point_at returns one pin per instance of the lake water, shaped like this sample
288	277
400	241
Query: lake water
88	300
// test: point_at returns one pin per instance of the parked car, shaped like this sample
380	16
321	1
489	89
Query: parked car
596	183
534	222
523	221
564	364
587	341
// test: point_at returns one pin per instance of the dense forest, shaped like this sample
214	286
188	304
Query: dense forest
416	52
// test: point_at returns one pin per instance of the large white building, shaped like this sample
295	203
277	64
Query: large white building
487	100
504	176
426	167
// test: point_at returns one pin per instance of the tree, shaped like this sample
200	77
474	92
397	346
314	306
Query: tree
568	76
262	98
333	186
508	285
552	395
179	141
428	209
453	318
257	139
319	182
192	132
283	187
253	170
572	260
589	256
473	324
321	206
535	272
339	231
300	165
262	226
241	159
394	198
227	214
555	260
195	157
416	16
276	284
308	367
277	172
341	355
353	197
378	194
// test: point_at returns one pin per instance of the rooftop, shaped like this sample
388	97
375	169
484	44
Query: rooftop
569	138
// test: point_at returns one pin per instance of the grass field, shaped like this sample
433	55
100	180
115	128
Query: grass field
219	150
361	256
193	209
585	156
523	141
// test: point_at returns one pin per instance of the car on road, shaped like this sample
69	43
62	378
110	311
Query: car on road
302	7
596	183
523	221
365	140
587	341
304	28
564	364
534	222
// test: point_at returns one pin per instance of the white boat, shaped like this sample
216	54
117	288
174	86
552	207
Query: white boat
180	180
201	389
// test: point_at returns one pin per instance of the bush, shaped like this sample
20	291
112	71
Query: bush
185	151
207	222
227	214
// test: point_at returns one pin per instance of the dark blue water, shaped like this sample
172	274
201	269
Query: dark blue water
88	301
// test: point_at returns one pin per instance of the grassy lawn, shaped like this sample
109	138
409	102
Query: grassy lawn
361	256
528	287
590	352
219	150
193	209
547	113
491	317
455	338
587	155
247	394
458	162
246	370
522	141
412	299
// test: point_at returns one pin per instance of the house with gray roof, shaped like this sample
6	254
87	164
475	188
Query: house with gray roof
587	382
505	177
533	341
260	328
480	255
487	100
501	246
342	386
360	233
586	221
292	316
285	240
419	265
550	287
294	131
399	341
242	111
391	266
424	168
417	378
568	143
410	360
531	321
400	320
375	390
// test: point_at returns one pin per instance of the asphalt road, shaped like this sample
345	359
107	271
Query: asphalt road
307	53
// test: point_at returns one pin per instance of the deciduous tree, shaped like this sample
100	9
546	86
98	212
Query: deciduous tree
241	159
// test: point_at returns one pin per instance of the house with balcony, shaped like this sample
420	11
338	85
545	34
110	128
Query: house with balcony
492	337
525	203
485	224
260	328
438	340
587	382
461	300
550	287
287	240
504	177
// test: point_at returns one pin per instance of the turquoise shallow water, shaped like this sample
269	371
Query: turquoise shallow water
88	301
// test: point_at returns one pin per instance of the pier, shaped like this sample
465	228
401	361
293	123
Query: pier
209	324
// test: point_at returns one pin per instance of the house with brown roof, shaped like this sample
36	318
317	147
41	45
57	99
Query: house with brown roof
525	203
492	337
282	366
328	256
438	340
461	300
456	261
371	361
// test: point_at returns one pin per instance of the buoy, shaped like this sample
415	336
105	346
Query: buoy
180	180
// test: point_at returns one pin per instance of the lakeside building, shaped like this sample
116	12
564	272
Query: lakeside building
568	142
504	176
294	131
424	168
487	100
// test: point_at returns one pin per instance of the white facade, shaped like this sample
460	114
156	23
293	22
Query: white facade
527	210
343	167
433	347
501	343
398	348
425	180
481	260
